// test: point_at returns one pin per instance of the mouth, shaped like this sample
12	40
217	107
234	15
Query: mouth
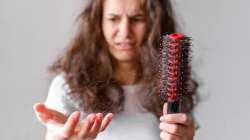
124	46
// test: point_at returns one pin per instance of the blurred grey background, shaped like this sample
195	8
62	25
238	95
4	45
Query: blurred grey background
33	33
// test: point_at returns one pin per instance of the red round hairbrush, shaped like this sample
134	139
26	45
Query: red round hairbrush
174	70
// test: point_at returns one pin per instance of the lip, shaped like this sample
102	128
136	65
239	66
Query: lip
124	46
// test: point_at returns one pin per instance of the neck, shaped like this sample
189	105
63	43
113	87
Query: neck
125	73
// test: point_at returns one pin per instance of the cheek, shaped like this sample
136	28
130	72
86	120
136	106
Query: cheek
108	31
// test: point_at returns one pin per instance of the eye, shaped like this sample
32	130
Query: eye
138	19
113	19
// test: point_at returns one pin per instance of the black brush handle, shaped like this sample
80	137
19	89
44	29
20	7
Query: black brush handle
173	107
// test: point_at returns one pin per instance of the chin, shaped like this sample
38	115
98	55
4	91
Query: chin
124	59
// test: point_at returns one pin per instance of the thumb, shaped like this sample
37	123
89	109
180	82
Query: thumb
41	113
165	108
46	115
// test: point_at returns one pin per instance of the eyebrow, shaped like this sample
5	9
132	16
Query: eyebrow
132	15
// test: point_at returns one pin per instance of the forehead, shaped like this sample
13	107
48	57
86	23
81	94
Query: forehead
123	6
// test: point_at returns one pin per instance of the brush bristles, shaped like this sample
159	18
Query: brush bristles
174	66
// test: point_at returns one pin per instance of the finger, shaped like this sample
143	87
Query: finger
97	125
167	136
39	107
175	129
45	114
106	121
165	108
86	126
70	125
178	118
41	112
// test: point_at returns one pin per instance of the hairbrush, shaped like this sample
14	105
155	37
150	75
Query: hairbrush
174	69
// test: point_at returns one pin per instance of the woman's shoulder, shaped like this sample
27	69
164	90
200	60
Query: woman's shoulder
59	96
58	86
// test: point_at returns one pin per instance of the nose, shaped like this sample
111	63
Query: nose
124	29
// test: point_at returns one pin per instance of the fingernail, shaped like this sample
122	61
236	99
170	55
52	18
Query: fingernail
161	118
76	115
111	115
92	119
100	115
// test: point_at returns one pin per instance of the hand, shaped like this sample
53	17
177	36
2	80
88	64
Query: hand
63	127
176	126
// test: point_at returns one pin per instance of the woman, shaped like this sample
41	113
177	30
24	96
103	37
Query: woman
106	77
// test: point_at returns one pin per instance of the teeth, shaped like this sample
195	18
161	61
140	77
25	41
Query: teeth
124	45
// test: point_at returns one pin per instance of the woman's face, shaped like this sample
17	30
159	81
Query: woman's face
124	26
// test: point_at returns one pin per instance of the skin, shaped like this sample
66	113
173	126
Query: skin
178	126
62	127
123	27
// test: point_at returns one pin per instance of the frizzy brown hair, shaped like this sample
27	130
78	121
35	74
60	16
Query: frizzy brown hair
88	67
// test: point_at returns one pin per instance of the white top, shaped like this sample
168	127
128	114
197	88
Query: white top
134	123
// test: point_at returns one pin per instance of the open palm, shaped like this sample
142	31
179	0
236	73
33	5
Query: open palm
63	127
